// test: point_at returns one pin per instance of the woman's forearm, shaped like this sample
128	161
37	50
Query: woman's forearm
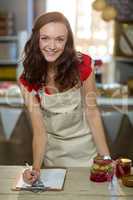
39	146
93	114
97	129
39	138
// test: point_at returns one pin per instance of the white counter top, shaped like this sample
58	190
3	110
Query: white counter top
115	101
84	189
101	101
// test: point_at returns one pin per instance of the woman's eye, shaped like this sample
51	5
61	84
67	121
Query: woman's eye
44	38
60	39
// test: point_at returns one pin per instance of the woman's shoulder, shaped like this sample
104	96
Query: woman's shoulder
84	65
29	86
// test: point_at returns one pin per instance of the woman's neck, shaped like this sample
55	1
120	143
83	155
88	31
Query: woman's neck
50	83
51	65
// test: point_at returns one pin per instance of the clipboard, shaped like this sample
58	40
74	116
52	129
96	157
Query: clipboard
53	179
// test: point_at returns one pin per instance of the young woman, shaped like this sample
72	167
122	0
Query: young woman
58	86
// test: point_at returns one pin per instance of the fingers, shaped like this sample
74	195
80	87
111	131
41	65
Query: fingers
35	175
30	176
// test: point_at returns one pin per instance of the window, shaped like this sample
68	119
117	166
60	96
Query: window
92	35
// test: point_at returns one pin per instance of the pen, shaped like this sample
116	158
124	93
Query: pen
27	165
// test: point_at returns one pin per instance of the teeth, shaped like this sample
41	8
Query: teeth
50	51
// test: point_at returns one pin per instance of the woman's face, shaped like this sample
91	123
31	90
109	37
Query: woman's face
53	37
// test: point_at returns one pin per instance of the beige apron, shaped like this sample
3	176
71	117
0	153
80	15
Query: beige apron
69	138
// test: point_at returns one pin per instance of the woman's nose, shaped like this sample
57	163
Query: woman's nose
52	45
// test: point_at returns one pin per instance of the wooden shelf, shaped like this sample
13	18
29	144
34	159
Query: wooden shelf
8	62
124	59
8	38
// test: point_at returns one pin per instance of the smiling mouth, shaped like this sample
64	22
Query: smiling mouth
50	50
50	53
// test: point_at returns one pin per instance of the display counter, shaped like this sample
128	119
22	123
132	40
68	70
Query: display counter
77	186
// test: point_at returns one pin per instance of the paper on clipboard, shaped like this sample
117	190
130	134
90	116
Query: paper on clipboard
52	178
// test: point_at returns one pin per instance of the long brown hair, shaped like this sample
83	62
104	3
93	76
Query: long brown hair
35	65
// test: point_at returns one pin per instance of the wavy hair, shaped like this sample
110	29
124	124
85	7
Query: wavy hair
35	65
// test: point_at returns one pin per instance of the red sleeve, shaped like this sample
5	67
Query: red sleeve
28	85
85	68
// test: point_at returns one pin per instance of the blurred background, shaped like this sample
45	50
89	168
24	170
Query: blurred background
102	29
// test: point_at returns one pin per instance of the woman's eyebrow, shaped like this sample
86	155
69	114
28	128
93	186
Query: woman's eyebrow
59	36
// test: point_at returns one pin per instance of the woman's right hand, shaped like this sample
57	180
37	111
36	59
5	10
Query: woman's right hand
30	176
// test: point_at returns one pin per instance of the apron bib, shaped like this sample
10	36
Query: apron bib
70	142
